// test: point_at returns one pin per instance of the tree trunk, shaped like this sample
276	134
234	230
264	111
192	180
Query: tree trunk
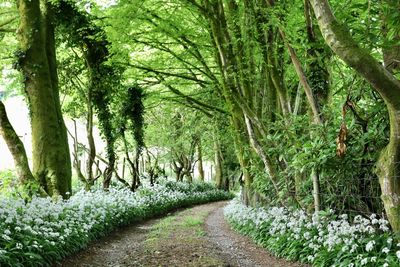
50	151
179	176
304	81
188	169
136	174
76	162
318	75
231	87
92	146
276	77
134	165
178	171
218	164
316	190
108	173
17	150
269	168
123	168
200	161
341	42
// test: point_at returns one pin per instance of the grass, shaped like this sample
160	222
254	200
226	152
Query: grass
185	229
189	222
160	230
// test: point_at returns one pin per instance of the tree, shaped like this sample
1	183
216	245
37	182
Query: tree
341	42
103	79
133	112
37	62
17	149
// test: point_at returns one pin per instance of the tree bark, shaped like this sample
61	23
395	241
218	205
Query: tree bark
218	164
269	168
17	150
76	162
178	170
136	173
108	173
200	160
341	42
303	80
233	86
89	133
318	75
50	151
133	164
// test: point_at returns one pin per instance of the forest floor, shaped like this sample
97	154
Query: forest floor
198	236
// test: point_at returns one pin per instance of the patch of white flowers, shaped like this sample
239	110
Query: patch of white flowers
43	231
320	239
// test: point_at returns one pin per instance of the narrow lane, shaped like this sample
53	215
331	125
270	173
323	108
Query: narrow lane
194	237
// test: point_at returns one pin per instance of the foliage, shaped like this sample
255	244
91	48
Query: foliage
324	239
42	232
77	29
133	111
8	182
343	179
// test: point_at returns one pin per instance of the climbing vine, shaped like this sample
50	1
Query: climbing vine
79	30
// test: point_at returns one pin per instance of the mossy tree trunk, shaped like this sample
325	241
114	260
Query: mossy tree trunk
218	163
50	151
234	76
339	39
17	150
318	57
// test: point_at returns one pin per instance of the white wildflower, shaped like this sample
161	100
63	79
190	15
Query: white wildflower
370	245
310	258
398	254
364	261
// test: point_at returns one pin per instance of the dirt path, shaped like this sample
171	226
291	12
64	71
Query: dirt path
198	236
235	249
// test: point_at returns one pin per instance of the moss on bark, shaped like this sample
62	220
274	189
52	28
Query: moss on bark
50	151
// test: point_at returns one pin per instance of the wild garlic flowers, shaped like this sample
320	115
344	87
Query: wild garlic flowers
44	231
321	240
